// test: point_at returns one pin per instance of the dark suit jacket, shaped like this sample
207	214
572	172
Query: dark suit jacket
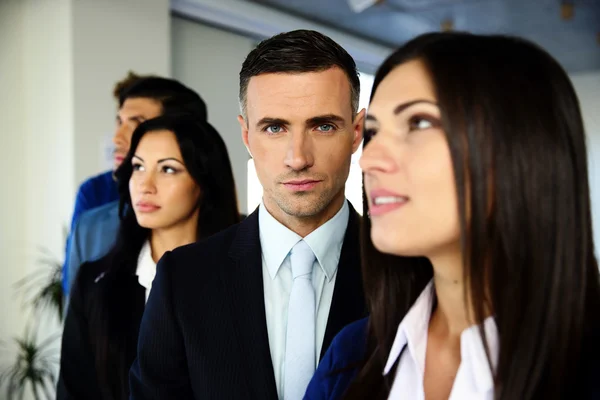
78	374
204	332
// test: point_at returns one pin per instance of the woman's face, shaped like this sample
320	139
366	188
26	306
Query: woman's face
409	179
163	193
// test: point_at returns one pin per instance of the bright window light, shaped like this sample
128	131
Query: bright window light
354	182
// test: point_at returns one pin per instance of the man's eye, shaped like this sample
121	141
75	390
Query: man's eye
326	128
274	129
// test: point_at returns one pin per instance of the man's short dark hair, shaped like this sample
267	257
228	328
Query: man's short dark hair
297	52
174	97
124	84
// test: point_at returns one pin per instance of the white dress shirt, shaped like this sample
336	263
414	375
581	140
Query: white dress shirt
473	381
276	242
146	268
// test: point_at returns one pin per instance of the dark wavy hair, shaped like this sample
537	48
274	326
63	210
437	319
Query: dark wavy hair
206	159
514	128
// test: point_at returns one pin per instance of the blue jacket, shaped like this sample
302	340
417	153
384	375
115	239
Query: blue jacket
95	192
333	377
92	237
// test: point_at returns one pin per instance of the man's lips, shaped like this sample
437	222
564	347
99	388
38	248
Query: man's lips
301	185
119	156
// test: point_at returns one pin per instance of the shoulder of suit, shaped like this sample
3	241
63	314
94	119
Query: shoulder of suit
349	346
96	182
106	212
215	245
352	334
92	272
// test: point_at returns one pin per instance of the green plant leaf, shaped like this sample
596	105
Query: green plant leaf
34	365
42	289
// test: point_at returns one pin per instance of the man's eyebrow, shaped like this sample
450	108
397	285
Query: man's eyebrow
271	121
324	119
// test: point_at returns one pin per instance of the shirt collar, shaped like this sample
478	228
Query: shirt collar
473	352
146	267
325	241
412	332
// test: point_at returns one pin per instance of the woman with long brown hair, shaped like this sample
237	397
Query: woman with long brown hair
478	255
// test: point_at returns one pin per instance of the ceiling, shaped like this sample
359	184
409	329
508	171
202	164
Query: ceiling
575	42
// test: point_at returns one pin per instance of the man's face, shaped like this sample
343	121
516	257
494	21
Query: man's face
301	132
133	112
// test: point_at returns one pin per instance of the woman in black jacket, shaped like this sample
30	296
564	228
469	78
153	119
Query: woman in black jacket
176	186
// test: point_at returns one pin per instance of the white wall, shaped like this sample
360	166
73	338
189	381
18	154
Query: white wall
209	60
587	86
59	60
12	184
111	37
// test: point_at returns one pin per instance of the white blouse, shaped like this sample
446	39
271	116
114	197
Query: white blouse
474	379
146	268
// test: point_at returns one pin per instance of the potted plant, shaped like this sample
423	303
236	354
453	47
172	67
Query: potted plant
36	361
34	367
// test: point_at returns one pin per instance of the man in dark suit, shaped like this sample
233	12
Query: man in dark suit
247	313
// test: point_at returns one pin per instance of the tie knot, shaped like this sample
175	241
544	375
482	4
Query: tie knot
302	259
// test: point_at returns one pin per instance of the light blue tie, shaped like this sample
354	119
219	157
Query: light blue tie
300	338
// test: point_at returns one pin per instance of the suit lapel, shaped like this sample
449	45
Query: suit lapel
243	283
348	302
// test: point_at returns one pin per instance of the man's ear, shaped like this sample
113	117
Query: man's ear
244	127
357	129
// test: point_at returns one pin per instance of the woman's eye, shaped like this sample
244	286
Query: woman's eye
274	129
138	167
369	133
419	123
326	128
169	170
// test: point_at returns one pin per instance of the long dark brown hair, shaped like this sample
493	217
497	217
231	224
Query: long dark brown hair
514	128
207	161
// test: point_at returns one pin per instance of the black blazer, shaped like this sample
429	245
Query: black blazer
204	332
80	345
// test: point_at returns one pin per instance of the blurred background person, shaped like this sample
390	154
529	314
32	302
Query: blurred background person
479	264
101	189
176	186
95	231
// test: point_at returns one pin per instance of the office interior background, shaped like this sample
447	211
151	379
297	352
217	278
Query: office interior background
59	60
